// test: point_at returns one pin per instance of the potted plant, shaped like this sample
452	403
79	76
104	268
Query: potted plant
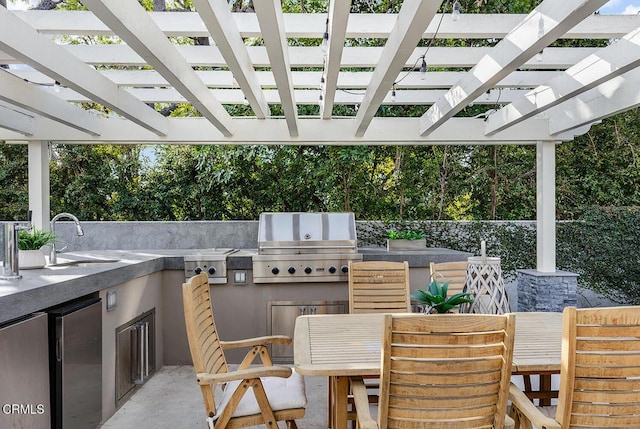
435	299
29	243
406	240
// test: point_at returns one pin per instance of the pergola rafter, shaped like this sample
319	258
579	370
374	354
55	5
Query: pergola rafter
271	22
414	16
15	120
36	100
218	20
337	28
615	96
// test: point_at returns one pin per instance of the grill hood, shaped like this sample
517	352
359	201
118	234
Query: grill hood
301	232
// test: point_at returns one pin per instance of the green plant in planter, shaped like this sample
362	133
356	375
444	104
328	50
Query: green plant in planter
436	297
34	239
405	235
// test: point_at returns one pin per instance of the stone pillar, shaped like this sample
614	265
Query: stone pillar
541	291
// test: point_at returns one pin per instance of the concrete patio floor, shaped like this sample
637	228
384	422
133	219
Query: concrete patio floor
171	399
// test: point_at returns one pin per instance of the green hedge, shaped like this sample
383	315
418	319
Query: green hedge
602	246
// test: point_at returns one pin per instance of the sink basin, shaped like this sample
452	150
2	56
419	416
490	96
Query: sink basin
82	262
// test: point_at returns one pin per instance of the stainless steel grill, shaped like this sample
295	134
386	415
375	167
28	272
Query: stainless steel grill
299	247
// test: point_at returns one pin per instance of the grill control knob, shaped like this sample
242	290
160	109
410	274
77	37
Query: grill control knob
332	269
275	270
344	269
308	270
291	270
197	270
212	270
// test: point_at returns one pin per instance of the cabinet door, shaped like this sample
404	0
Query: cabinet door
24	374
283	320
283	316
135	354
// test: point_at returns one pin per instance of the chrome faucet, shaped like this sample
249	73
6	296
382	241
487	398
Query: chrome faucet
53	255
10	269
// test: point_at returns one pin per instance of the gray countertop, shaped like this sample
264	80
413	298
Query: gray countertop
40	289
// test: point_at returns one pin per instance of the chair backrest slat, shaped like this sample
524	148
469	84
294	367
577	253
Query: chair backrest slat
450	370
379	286
600	378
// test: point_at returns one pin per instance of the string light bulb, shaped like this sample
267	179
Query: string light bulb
393	93
245	101
56	87
457	10
539	56
325	39
423	69
487	95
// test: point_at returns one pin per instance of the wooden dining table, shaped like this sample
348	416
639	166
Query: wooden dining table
343	345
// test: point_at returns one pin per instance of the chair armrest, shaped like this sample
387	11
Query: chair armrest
530	411
361	401
256	372
257	341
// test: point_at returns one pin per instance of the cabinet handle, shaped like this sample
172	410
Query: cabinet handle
140	346
146	349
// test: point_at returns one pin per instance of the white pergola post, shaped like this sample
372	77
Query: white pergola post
546	206
39	183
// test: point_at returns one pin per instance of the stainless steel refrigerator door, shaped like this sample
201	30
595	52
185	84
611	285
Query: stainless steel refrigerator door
79	367
24	374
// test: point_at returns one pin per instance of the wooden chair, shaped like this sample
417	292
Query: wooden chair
379	287
441	371
453	272
600	373
251	395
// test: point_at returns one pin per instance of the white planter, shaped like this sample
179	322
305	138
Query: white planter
31	259
402	244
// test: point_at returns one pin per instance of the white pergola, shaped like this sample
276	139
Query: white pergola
539	94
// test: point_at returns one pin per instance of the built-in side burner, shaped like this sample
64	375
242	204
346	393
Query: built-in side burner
305	247
210	261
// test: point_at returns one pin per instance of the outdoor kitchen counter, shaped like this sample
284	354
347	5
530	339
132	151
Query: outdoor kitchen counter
43	288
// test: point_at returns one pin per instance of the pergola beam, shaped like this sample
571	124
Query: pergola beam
300	25
133	25
337	29
219	21
271	23
383	131
24	43
617	95
413	18
302	96
353	57
607	63
303	79
547	22
16	91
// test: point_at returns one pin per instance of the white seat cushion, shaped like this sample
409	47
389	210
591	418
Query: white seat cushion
282	393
